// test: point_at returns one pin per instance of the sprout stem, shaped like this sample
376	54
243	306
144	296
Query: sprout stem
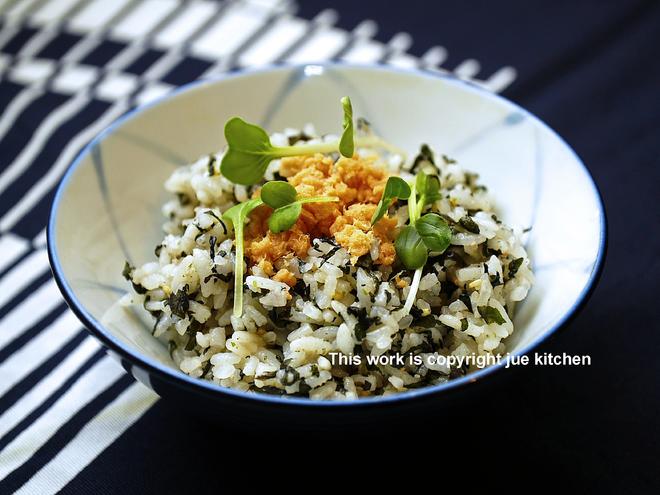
412	294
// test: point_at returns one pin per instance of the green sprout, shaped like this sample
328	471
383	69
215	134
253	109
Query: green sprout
287	205
249	150
237	215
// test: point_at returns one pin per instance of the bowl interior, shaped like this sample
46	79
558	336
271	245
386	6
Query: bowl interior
108	208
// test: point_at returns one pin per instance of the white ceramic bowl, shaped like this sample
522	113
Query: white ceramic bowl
107	208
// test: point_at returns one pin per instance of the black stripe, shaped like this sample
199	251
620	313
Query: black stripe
23	127
18	41
103	53
30	332
187	70
50	152
34	220
21	388
146	59
50	400
8	90
21	295
63	436
59	46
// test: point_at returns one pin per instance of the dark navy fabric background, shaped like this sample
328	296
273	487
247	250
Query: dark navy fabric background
591	70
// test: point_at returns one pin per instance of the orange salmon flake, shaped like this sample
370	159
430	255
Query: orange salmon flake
359	185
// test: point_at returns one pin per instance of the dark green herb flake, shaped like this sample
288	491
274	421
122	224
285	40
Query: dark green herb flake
179	303
468	224
211	165
447	160
127	272
491	315
514	266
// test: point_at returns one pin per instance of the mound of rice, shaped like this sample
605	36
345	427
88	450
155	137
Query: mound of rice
290	336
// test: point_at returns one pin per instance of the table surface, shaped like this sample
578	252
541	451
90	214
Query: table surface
74	421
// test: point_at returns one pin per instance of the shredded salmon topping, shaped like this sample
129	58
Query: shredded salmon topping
359	185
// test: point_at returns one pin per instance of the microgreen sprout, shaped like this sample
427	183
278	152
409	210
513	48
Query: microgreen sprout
395	188
249	150
237	215
287	205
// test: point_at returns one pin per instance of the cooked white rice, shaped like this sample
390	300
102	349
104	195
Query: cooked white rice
288	339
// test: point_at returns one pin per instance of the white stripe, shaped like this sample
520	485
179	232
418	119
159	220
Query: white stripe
138	45
403	60
32	70
322	45
7	33
6	4
46	182
238	24
144	17
39	138
364	51
96	15
93	439
501	79
39	240
29	311
15	108
92	383
39	349
22	275
400	42
274	42
41	391
21	9
297	32
467	69
11	247
96	36
152	92
186	24
53	11
366	29
434	56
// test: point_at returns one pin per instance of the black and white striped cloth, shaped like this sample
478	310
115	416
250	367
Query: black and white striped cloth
68	68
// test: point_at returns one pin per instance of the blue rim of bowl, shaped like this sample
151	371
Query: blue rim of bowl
178	378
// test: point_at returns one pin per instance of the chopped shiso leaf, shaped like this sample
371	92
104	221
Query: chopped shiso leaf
514	266
127	272
491	315
178	302
425	156
468	224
